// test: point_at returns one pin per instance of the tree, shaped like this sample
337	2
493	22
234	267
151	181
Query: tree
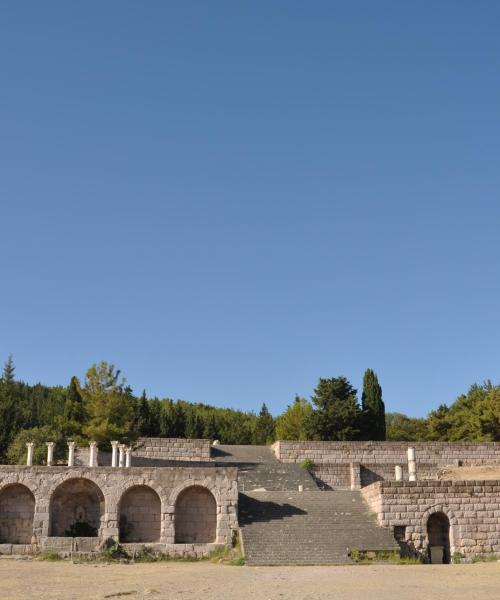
373	408
73	406
293	423
109	405
401	428
337	414
264	427
8	371
144	416
16	454
210	427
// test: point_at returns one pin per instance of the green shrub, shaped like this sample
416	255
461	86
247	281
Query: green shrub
307	464
51	555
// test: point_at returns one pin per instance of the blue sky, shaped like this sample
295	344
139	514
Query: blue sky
229	200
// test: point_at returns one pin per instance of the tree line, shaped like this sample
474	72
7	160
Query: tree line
103	407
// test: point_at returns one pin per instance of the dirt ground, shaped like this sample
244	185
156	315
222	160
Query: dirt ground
469	473
23	579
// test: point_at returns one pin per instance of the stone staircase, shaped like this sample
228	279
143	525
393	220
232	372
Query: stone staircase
281	525
308	528
259	470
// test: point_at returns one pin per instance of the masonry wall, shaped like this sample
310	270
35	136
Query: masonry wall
173	449
376	461
472	507
154	452
45	484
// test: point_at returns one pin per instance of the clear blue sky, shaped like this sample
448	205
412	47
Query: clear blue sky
231	199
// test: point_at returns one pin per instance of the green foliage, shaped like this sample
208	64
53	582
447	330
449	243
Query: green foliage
112	551
8	371
486	558
51	555
110	406
17	451
401	428
104	408
264	427
307	464
337	415
373	408
293	423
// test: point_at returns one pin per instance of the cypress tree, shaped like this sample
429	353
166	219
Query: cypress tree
264	427
373	407
8	371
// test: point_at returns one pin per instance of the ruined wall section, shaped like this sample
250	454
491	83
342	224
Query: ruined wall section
155	452
335	462
472	507
173	449
168	483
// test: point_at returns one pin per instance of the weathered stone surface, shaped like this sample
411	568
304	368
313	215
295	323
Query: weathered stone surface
101	496
468	505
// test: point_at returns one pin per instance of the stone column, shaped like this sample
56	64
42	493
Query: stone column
50	453
93	454
128	457
114	454
71	454
29	459
398	472
412	465
121	458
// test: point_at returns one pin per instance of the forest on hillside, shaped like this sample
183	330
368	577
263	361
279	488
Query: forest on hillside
103	407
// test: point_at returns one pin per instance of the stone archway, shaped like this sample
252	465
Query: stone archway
195	516
17	509
140	515
76	509
438	536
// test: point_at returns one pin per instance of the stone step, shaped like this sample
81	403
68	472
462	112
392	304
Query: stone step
310	527
258	469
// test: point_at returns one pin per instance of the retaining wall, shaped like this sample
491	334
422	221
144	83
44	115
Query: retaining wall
472	507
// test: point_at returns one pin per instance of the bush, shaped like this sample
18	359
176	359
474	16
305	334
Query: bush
51	555
307	464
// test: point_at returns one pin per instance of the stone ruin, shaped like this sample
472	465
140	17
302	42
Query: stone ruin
292	503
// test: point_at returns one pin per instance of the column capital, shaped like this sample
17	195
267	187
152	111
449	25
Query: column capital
50	444
114	443
92	444
71	444
30	444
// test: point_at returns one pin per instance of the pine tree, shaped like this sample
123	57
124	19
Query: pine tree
373	407
73	406
210	428
264	427
110	406
337	415
8	371
144	416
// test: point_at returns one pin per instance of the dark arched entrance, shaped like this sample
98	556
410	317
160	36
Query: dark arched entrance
76	509
438	534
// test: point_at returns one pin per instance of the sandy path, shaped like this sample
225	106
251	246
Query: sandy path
20	579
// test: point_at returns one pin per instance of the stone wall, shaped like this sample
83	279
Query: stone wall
172	449
376	460
472	508
62	494
154	452
17	509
